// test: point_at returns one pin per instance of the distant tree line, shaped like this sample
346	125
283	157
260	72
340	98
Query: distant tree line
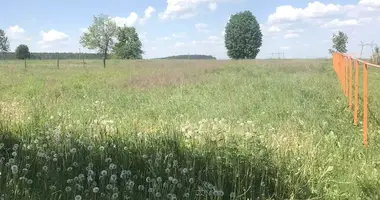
194	57
53	56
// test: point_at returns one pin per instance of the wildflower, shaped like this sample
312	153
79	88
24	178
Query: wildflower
30	182
15	147
27	166
232	195
115	196
101	148
186	195
95	190
11	160
73	150
112	166
75	164
158	195
150	190
14	169
14	154
89	148
27	157
167	170
69	181
175	163
81	177
69	169
159	179
191	180
68	189
104	173
78	197
179	185
25	170
185	170
44	168
175	181
141	187
108	160
113	178
90	173
109	187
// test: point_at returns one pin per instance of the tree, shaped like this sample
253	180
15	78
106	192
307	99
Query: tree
100	36
22	52
243	37
4	42
340	41
129	44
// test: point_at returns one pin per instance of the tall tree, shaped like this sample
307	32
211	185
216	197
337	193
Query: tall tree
129	45
4	42
100	35
340	41
243	37
22	52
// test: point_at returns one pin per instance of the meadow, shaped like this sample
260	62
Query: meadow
183	129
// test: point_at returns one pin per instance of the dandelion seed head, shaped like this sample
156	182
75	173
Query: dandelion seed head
14	154
68	189
78	197
73	150
95	190
101	148
104	173
141	187
109	187
14	169
115	196
45	168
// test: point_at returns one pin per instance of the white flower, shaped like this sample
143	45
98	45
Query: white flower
14	169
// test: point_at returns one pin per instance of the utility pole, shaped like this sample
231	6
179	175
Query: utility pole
278	54
366	44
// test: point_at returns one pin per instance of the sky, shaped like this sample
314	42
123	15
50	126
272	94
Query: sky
298	28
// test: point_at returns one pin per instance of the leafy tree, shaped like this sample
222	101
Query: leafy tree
4	42
340	41
243	37
100	36
129	44
22	52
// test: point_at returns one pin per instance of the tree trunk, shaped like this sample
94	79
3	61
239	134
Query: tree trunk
104	62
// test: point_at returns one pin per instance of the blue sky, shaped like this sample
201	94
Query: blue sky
299	28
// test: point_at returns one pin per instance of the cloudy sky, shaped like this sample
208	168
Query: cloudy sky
299	28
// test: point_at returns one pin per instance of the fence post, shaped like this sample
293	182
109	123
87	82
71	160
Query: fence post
350	85
365	108
356	106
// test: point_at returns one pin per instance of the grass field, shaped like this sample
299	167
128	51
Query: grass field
181	129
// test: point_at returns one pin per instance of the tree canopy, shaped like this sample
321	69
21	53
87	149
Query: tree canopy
4	42
129	45
100	35
340	41
243	37
22	52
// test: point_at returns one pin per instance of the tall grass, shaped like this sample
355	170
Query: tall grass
183	130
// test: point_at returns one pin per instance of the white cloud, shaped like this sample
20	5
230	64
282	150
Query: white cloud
16	33
154	48
52	38
179	44
288	13
285	48
291	35
212	6
129	21
186	8
274	29
179	35
147	14
374	3
201	27
163	38
214	37
340	23
295	31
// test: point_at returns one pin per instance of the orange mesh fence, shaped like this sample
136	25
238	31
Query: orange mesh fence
344	65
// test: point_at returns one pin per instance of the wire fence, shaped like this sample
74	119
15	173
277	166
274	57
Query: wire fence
345	67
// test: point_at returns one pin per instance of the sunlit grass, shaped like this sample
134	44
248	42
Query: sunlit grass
182	129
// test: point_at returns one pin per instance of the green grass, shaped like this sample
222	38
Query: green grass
267	129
